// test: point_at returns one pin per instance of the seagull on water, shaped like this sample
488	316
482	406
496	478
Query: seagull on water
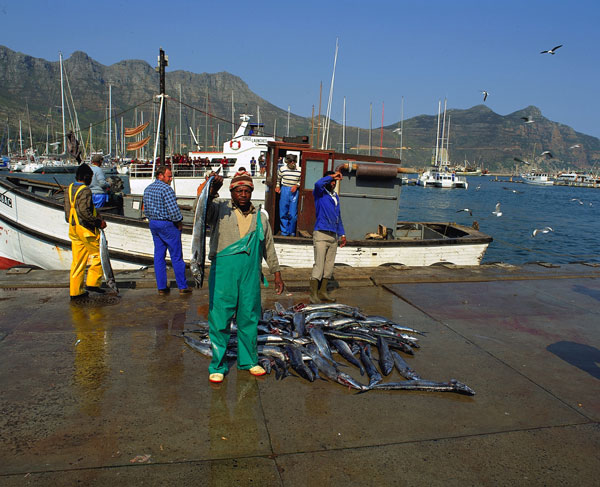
520	160
528	119
547	153
578	200
543	230
478	187
466	209
551	51
497	211
485	94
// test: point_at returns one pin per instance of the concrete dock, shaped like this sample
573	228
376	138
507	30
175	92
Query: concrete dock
108	394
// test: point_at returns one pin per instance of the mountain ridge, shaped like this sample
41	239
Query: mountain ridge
477	134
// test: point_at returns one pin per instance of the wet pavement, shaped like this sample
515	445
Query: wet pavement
110	395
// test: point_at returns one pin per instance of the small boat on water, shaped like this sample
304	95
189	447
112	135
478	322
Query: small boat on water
34	230
441	174
538	178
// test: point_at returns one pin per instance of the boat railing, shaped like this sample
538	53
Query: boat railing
181	171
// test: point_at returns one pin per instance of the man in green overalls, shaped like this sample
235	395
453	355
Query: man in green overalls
239	242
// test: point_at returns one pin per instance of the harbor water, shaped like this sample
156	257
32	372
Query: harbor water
571	212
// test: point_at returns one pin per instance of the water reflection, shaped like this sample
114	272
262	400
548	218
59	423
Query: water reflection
233	419
91	369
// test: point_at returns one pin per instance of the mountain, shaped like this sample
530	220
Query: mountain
30	92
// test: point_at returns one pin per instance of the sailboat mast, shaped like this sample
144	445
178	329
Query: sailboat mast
443	134
437	134
162	62
448	142
344	127
370	126
401	126
62	98
109	120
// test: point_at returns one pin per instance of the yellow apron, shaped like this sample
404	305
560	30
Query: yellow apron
85	246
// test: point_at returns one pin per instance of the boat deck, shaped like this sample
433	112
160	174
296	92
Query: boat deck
108	395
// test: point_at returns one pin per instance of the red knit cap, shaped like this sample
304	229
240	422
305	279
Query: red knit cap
241	180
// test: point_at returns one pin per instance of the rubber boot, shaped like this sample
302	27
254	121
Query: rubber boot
314	289
323	296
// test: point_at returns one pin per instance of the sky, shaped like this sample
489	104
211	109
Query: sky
419	51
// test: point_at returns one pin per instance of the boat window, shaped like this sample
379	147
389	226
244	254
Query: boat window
314	172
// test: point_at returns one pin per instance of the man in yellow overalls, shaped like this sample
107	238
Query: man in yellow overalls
84	223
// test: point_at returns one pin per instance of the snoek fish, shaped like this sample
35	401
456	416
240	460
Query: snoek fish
332	372
344	350
405	370
199	234
365	358
105	261
426	385
386	362
295	356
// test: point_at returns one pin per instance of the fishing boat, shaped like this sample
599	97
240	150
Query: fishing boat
537	178
441	174
34	231
246	144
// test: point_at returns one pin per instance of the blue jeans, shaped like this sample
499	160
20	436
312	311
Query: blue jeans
99	199
288	210
167	236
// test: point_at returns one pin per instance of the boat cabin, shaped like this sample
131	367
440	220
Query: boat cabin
369	191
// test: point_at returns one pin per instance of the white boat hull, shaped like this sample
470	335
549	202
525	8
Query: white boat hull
34	231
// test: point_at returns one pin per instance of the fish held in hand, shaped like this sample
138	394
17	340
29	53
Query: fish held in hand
105	262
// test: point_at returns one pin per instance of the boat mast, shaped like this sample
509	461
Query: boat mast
180	110
381	136
401	126
232	117
288	122
370	125
344	127
62	97
448	142
443	134
325	141
109	120
437	135
163	61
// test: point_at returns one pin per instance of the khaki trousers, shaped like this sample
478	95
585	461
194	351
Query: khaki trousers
325	245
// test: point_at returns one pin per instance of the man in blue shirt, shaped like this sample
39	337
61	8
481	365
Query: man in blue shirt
166	224
328	228
99	186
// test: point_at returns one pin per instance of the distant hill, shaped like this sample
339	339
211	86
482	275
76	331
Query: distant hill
477	134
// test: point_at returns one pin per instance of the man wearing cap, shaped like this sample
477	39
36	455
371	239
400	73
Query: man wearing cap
166	224
328	229
99	186
240	238
288	182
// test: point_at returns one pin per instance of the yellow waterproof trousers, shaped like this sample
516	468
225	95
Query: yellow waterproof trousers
85	246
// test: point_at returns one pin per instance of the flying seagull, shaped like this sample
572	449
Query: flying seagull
543	230
466	209
520	160
578	200
551	51
576	146
397	131
547	153
497	212
485	94
528	119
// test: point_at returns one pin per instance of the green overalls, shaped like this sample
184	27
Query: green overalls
234	287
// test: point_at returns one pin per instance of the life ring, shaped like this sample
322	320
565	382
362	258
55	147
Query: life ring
235	144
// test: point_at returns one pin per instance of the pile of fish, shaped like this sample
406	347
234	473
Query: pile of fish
307	338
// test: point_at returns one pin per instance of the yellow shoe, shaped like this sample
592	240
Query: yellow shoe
257	371
216	378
